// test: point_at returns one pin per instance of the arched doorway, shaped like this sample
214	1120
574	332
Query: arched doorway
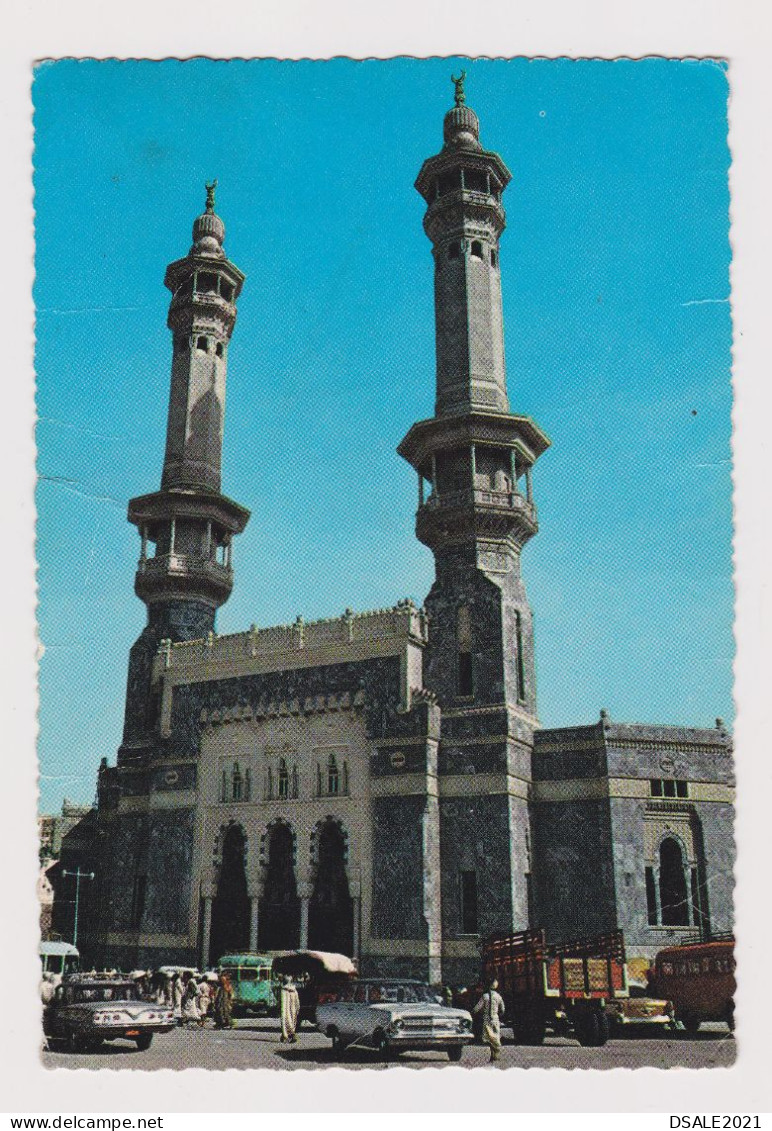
330	913
674	899
230	907
279	918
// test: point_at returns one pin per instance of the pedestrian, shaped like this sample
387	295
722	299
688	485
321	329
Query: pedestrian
177	993
203	1001
290	1010
491	1005
223	1003
190	1014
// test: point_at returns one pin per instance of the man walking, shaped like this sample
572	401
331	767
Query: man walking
491	1005
290	1010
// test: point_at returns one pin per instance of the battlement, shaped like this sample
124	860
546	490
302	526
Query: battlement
404	622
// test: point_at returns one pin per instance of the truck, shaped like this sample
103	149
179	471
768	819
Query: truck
564	988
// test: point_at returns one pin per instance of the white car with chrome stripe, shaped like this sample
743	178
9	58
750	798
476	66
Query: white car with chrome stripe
391	1016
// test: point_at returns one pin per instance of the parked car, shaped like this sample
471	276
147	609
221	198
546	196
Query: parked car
639	1011
390	1016
89	1009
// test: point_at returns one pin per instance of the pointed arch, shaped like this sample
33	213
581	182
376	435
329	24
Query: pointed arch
230	906
673	892
331	908
279	918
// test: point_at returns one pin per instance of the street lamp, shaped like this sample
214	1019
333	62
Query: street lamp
78	877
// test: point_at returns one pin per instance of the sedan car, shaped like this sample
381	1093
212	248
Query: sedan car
89	1009
392	1016
639	1011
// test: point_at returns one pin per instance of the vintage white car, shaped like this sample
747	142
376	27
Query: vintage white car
391	1016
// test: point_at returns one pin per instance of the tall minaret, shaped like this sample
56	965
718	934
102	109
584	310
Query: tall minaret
478	510
189	522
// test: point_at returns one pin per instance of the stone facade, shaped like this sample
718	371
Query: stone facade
378	783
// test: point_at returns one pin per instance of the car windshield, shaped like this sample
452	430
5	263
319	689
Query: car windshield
125	991
405	992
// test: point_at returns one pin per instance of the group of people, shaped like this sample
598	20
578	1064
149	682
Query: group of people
193	997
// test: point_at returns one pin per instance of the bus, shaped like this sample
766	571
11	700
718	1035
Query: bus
59	958
252	980
699	980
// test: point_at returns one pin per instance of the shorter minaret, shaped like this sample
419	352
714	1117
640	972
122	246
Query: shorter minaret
189	523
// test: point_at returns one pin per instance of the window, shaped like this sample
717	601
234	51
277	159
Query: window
468	892
333	778
218	349
237	783
247	784
477	251
454	250
475	180
668	787
226	290
520	657
465	682
283	780
202	343
673	897
206	283
494	259
651	898
138	900
464	670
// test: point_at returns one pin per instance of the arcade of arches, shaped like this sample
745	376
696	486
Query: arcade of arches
288	915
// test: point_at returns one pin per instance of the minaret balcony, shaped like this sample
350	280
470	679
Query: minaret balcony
455	516
183	573
500	500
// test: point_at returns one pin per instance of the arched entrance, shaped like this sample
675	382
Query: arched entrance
674	899
330	913
230	907
279	917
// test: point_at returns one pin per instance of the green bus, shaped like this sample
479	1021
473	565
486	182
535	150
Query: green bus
252	980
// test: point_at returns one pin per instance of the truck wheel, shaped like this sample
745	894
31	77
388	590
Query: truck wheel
604	1029
455	1053
587	1028
143	1041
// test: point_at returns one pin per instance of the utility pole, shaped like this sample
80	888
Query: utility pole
78	877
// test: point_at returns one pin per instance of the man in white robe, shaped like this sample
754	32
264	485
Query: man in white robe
491	1005
290	1010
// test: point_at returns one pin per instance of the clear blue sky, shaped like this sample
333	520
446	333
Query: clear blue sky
615	269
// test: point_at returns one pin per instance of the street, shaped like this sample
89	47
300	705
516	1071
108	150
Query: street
254	1043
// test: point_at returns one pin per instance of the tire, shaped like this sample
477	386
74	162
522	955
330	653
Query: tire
455	1053
338	1044
382	1046
76	1042
587	1028
604	1029
144	1041
690	1022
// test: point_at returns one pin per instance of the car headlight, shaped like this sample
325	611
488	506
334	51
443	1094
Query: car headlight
396	1025
464	1024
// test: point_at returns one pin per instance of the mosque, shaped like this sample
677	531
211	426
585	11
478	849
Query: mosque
378	783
